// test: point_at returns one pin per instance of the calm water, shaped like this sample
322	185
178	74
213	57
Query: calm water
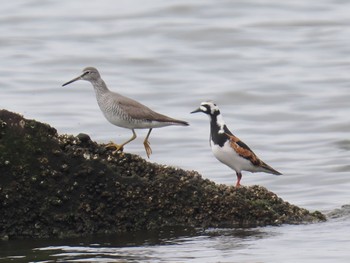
279	70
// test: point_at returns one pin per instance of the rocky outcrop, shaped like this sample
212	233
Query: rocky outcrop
62	185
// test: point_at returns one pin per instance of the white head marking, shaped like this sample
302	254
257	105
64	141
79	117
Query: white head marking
213	109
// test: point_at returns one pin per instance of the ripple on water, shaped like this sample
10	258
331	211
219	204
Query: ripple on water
277	69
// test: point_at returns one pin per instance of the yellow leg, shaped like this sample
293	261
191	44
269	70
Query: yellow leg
147	144
119	147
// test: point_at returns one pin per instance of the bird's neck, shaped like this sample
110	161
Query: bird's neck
218	129
100	87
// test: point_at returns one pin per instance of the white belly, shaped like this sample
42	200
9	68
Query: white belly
228	156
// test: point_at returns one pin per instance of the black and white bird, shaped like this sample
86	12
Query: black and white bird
228	149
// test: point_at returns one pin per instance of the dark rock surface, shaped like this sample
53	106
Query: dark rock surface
61	185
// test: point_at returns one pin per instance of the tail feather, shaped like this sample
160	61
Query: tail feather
184	123
174	121
169	121
269	169
166	119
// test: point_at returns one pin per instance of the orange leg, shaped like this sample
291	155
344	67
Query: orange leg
239	177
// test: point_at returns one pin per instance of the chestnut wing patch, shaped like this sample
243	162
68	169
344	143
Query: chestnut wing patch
243	150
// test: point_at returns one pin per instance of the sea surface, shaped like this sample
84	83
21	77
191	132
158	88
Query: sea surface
278	70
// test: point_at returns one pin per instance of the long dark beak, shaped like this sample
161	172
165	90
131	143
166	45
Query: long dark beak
197	110
75	79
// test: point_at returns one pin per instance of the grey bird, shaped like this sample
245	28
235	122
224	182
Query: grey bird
123	111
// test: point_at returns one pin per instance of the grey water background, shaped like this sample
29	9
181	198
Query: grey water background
279	70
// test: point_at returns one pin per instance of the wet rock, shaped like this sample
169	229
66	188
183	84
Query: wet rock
62	185
83	137
343	212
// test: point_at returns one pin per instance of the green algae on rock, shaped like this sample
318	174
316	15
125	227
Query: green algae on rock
59	186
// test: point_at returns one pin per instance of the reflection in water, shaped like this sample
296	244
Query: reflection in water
157	245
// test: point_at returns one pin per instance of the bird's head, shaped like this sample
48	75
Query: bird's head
89	74
208	107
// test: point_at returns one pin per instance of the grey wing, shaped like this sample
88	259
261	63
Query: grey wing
139	111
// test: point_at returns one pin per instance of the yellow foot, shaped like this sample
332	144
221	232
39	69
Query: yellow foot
116	146
147	148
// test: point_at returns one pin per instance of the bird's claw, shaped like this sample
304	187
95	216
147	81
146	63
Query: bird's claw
116	146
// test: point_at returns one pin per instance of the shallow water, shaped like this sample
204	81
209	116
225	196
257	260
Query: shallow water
277	69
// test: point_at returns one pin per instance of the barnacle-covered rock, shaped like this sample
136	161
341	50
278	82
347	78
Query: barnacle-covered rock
62	185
